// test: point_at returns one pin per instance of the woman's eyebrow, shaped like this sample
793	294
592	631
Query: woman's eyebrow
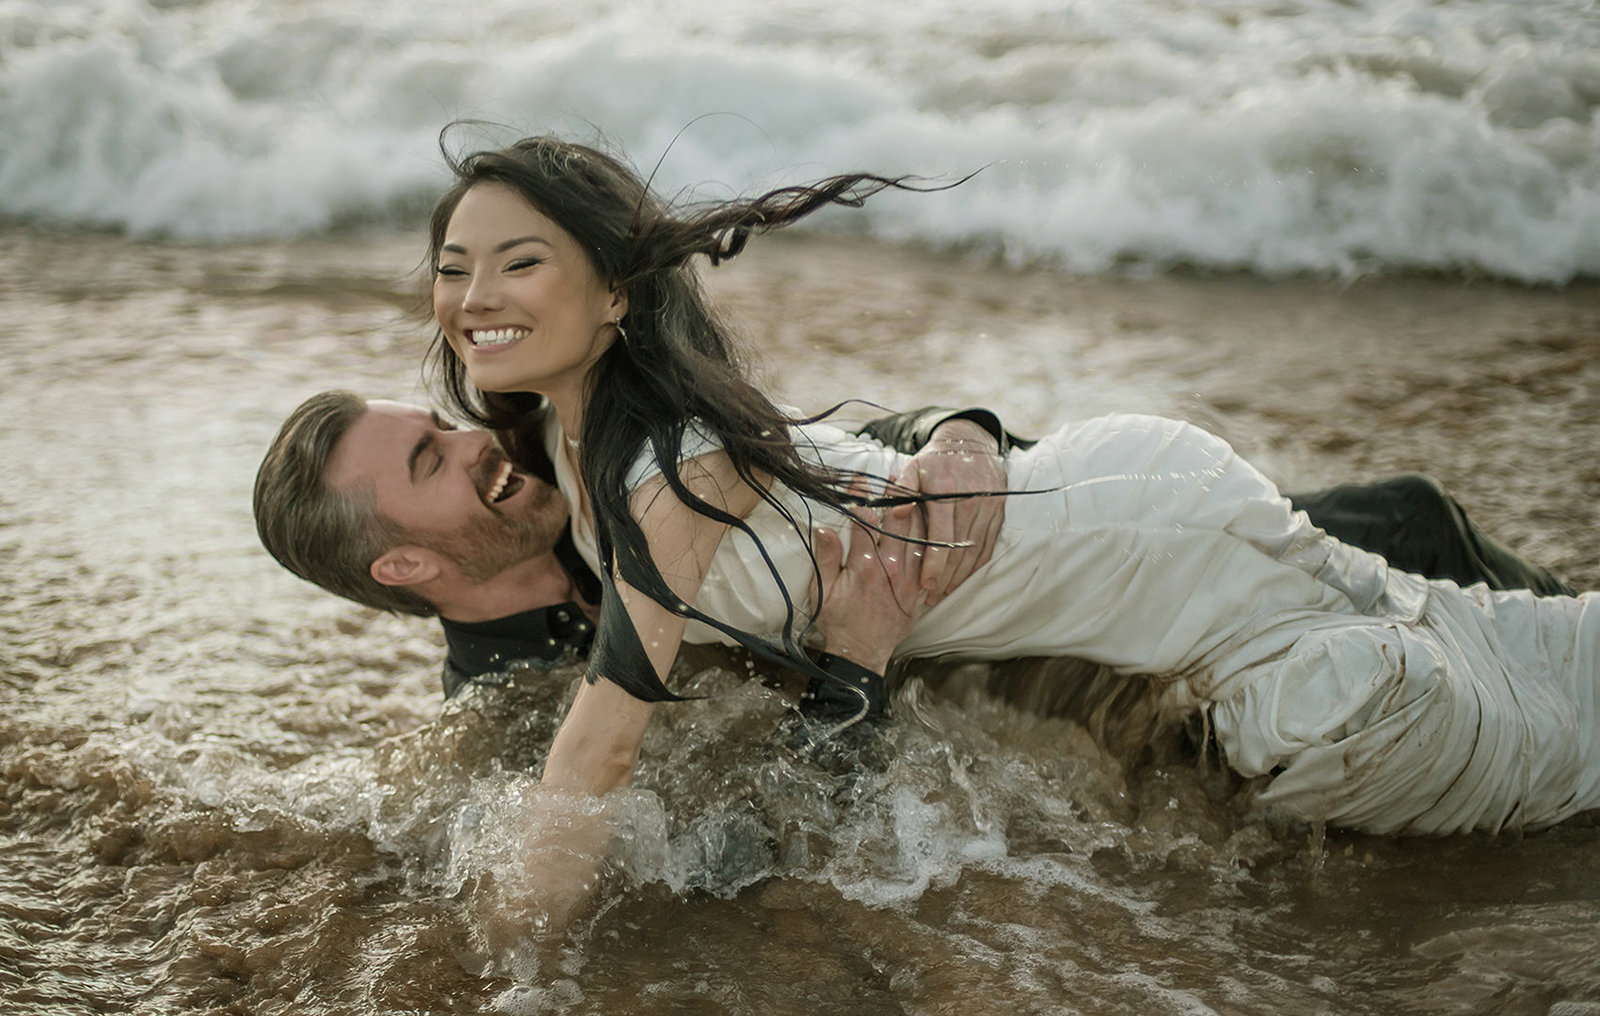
499	248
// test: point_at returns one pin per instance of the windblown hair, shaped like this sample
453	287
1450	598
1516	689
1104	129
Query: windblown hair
678	363
325	536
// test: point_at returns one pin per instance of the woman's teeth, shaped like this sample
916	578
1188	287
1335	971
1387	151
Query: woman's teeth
498	336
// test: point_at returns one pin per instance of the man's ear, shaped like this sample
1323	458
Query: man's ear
406	565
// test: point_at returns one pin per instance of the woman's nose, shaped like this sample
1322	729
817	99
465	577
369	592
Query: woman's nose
483	293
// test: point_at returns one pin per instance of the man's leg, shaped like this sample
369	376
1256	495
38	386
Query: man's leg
1412	522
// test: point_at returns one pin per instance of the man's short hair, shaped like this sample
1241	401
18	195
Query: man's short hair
326	536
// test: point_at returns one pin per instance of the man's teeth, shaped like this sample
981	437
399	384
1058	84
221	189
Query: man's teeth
499	483
498	336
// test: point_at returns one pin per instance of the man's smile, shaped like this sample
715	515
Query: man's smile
503	483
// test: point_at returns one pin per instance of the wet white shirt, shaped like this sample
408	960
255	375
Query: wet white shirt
1382	700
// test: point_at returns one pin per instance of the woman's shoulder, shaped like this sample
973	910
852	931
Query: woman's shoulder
698	439
822	441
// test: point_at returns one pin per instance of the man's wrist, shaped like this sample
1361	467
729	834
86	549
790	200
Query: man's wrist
977	425
876	660
962	434
849	690
910	432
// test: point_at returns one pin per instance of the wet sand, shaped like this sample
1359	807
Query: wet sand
223	791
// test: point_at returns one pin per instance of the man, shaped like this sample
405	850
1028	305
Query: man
394	507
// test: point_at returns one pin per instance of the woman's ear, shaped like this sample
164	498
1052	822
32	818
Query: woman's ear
619	302
406	565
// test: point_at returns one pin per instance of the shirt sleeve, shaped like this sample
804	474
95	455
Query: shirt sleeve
909	432
697	441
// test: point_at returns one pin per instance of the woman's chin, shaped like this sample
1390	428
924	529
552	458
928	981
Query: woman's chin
506	382
497	383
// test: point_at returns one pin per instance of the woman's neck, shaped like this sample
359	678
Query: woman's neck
568	408
569	416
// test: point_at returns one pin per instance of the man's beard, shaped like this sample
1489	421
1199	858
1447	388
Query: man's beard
485	547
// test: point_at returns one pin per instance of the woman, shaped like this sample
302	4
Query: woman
1380	700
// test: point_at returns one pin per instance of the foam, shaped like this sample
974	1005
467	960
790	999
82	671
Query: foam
1275	138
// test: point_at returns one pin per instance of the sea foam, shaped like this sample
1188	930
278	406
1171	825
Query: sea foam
1274	136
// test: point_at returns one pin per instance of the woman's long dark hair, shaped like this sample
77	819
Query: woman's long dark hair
677	366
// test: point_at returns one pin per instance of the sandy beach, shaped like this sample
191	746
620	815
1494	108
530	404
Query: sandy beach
228	792
1354	239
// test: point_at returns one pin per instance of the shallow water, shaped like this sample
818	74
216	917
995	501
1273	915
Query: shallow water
224	791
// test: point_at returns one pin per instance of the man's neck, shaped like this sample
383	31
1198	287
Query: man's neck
529	585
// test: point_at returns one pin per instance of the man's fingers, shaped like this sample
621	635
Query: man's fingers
903	557
948	465
975	521
830	549
957	561
995	517
830	558
910	482
940	516
914	596
988	515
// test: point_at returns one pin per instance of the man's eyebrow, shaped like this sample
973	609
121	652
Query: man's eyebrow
417	449
499	248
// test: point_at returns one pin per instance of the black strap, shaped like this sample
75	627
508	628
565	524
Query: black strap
845	692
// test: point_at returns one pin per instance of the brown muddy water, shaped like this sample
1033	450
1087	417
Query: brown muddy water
222	791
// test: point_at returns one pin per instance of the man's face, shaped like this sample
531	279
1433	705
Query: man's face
452	491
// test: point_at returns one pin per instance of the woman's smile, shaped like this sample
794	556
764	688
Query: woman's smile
495	336
506	273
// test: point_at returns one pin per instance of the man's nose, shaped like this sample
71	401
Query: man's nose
469	445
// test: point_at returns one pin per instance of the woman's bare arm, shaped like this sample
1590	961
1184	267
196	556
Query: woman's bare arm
597	746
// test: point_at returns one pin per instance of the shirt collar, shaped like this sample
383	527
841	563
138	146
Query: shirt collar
539	638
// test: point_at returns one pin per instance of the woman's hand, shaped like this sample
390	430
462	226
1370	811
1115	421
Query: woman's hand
597	746
870	597
961	458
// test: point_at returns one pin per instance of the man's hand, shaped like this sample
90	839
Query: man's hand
962	457
872	596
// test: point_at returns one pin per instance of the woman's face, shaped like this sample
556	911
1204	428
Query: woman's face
518	299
